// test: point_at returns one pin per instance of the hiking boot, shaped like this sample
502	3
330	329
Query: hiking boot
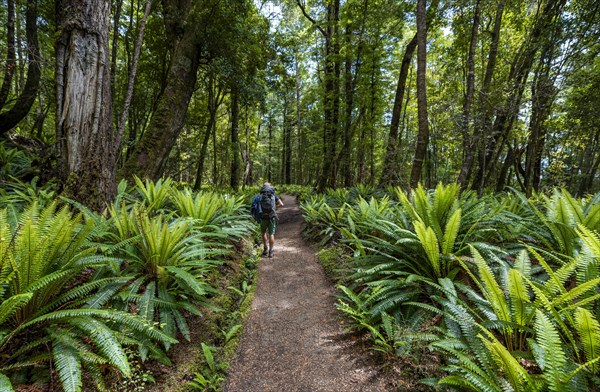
264	252
271	254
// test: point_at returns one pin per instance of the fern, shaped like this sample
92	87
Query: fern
551	357
588	330
68	366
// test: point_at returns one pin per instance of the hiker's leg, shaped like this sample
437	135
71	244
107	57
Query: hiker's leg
264	226
271	231
271	241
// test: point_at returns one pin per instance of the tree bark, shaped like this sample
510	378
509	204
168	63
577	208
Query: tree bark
9	119
215	99
543	92
518	75
86	143
423	135
132	74
235	139
350	81
11	60
115	45
300	160
466	115
331	96
389	174
150	155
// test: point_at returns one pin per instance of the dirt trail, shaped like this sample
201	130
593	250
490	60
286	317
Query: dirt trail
291	340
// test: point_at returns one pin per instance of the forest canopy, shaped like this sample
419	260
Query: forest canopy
329	93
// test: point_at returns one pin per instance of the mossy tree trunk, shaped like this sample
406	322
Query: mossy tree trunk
150	155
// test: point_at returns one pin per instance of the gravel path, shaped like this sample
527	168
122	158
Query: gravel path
292	340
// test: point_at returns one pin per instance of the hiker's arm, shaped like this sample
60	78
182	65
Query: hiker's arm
279	202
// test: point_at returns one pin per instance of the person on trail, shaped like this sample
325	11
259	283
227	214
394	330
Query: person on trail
264	206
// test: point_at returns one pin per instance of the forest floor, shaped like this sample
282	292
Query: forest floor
292	339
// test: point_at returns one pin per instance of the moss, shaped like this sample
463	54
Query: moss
335	263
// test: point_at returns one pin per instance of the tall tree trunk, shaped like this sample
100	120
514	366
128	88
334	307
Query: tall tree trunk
235	139
390	172
465	169
300	160
115	45
543	92
344	158
132	73
287	129
215	98
483	117
11	60
270	152
150	155
350	81
423	135
9	119
86	143
215	172
331	96
518	75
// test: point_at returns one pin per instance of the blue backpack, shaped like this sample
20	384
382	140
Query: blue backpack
263	205
256	209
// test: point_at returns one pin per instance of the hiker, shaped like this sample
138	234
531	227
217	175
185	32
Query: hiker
264	206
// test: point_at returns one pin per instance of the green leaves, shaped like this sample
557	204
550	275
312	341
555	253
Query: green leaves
68	366
520	314
63	278
588	330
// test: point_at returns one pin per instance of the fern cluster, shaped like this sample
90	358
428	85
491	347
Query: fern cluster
503	286
78	291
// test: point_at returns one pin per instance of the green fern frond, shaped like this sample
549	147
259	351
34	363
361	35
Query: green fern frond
551	356
588	330
146	304
68	366
451	232
493	293
517	376
12	304
430	245
519	298
105	340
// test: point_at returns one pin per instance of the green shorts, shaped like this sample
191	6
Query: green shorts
268	225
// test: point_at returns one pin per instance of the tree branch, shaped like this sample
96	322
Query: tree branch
310	19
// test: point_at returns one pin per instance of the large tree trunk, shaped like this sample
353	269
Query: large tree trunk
11	59
390	172
86	143
9	119
331	98
590	161
423	135
150	155
465	170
